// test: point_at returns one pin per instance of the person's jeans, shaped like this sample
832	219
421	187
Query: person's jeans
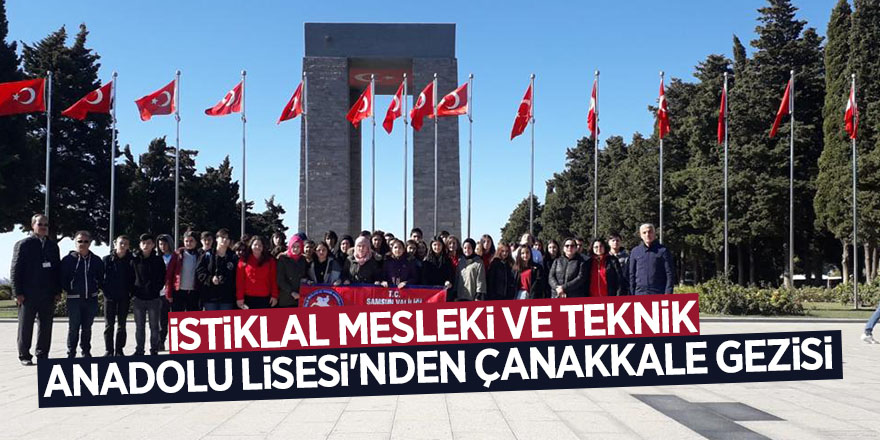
81	314
28	312
145	309
216	305
115	313
164	308
256	302
872	321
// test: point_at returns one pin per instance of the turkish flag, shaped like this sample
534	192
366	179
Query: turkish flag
231	102
22	97
422	107
852	114
294	107
783	109
455	103
523	114
662	113
395	110
722	115
98	101
593	114
362	108
160	102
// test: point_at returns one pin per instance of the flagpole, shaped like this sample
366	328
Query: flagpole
177	160
532	124
48	139
726	254
434	106
854	202
404	98
791	190
243	156
373	153
112	231
596	164
470	115
660	229
305	112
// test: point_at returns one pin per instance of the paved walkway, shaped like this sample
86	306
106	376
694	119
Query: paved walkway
839	409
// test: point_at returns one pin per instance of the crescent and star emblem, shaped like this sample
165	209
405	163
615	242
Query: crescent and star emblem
99	97
421	102
228	100
29	100
366	103
395	104
167	96
454	105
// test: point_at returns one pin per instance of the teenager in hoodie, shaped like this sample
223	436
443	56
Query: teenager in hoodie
149	277
118	285
82	274
180	279
215	273
290	272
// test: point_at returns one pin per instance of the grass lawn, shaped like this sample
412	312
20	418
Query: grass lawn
8	309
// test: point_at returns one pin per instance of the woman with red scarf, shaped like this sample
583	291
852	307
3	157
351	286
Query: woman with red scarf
606	278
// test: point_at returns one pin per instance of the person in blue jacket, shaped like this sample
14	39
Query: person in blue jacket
82	275
651	269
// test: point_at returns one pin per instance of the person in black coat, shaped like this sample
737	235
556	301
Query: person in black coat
528	275
500	281
36	286
149	279
118	286
437	269
568	275
215	275
606	277
82	276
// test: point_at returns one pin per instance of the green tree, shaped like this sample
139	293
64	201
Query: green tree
567	191
18	163
267	222
518	222
80	176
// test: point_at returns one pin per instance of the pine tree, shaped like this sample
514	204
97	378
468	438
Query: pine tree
566	191
518	222
267	222
80	176
19	168
833	202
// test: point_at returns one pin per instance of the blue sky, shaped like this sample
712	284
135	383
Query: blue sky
501	43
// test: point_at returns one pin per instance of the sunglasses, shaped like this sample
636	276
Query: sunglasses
570	245
82	241
43	225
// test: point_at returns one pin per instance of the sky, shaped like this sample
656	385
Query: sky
501	43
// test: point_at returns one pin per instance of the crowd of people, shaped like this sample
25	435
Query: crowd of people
210	272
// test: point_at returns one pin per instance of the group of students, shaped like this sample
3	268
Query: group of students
210	272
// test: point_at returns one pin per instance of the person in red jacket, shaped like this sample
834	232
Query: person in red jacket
255	281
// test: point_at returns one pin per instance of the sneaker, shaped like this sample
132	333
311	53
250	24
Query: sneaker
868	338
108	354
27	362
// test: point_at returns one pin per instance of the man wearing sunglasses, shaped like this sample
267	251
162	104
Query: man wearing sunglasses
36	286
82	275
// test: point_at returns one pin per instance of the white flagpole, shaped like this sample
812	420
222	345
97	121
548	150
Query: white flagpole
48	138
660	229
434	99
532	187
112	232
373	151
470	115
177	160
726	251
305	112
596	164
791	189
243	156
404	99
854	205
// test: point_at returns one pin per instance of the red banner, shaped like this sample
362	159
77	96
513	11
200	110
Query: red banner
367	295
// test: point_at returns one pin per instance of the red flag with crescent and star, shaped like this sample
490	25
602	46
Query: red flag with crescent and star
22	97
662	113
783	109
294	107
851	116
424	107
231	102
98	101
593	114
160	102
395	110
455	103
362	108
523	114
